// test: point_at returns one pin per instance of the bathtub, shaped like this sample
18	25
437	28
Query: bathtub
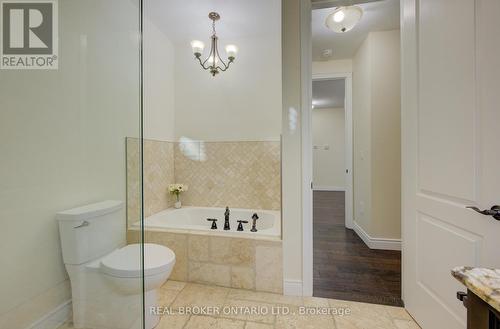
194	220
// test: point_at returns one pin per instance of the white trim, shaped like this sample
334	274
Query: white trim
377	243
329	188
292	288
55	318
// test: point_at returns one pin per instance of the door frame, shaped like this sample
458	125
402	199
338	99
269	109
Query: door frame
409	131
307	161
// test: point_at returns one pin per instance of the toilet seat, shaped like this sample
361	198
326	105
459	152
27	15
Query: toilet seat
126	262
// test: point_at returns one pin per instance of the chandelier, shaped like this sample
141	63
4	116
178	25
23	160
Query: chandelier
214	62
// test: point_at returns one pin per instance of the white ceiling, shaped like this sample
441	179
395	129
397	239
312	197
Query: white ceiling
328	94
378	16
186	20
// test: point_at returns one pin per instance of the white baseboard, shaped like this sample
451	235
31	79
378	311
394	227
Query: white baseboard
54	318
376	243
292	288
329	188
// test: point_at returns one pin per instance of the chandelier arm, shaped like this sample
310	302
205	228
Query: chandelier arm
220	58
225	68
206	60
202	63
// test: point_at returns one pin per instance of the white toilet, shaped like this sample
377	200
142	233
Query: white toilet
105	274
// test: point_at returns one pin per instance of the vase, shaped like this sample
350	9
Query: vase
178	204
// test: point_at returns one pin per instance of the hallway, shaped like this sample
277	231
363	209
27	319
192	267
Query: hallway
344	267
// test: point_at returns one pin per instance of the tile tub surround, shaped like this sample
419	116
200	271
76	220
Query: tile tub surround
245	263
158	174
483	282
236	174
178	295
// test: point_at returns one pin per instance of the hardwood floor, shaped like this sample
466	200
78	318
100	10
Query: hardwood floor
344	267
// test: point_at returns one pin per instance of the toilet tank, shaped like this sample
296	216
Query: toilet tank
91	231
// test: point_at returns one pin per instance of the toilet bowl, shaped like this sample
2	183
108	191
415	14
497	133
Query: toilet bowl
123	267
106	275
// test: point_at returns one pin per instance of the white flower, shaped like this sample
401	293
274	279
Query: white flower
177	188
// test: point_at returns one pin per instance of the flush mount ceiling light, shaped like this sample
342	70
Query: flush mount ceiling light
344	19
214	62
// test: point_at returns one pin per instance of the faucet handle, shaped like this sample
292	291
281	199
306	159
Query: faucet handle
240	224
255	216
214	223
227	212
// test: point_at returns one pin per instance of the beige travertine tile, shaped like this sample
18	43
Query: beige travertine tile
222	254
243	252
238	174
158	174
198	248
220	250
173	321
257	296
210	273
362	316
315	302
255	325
296	320
268	268
405	324
243	277
237	309
174	285
214	179
207	322
167	296
134	188
201	295
398	313
133	236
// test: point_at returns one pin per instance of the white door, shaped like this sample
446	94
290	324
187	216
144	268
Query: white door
451	150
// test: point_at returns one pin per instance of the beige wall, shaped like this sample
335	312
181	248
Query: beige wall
335	66
63	145
241	104
376	116
328	130
386	135
362	173
159	110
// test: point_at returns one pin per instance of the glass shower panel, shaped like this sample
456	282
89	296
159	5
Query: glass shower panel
67	189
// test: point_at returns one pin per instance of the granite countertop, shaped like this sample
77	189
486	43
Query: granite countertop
483	282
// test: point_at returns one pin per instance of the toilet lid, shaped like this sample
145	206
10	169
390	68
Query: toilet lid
126	262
